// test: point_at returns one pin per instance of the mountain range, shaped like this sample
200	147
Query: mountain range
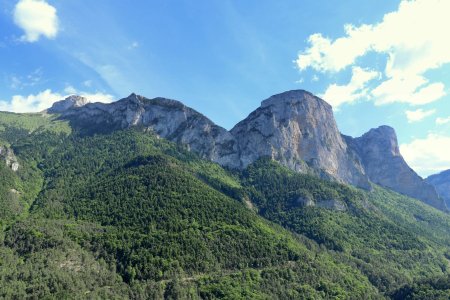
149	199
294	128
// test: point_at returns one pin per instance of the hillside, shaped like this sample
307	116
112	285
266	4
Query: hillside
129	215
125	213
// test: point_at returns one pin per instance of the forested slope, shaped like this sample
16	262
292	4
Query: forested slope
130	215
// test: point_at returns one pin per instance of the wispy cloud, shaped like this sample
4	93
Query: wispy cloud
18	82
413	39
418	115
37	18
133	45
442	121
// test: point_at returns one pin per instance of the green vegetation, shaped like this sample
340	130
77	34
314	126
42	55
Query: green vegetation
377	232
434	289
127	215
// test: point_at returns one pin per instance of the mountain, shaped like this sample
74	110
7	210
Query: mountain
294	128
69	102
167	118
108	207
384	165
441	182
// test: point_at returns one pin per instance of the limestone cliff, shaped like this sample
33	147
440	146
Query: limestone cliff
295	128
384	165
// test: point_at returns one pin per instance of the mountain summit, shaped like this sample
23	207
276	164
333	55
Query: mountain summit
294	128
298	130
69	102
384	165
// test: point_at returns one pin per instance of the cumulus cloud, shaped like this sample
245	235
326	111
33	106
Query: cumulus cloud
414	90
327	55
442	121
418	115
45	99
413	40
428	155
37	18
354	90
30	103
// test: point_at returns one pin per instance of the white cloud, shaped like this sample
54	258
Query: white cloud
327	55
413	39
98	97
356	89
36	18
428	155
31	103
45	99
418	115
415	90
442	121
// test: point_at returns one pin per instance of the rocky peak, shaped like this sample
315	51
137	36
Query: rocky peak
383	139
68	103
132	99
298	130
294	97
384	165
441	182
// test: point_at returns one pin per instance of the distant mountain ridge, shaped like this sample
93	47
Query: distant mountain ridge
294	128
441	182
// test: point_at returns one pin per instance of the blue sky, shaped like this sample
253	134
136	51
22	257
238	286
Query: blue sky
377	61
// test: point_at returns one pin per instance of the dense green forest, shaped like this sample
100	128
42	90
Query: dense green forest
128	215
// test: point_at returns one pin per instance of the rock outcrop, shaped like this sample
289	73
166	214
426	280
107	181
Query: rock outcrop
441	182
384	165
295	128
7	155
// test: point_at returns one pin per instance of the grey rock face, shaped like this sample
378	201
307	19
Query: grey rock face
385	166
69	102
296	127
9	158
167	118
441	182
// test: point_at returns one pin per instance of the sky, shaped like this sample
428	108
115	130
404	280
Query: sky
377	62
